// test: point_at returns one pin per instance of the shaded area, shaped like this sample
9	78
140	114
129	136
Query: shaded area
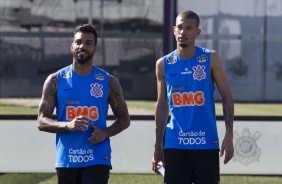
16	178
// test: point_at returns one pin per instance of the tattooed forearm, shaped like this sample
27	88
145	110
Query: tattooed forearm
119	108
228	111
115	96
46	107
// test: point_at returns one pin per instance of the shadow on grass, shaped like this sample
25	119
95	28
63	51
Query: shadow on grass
24	178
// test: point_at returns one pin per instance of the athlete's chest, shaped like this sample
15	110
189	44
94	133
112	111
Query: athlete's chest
186	73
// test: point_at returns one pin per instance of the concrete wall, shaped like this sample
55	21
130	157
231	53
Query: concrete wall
258	148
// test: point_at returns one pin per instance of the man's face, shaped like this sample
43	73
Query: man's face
185	31
83	47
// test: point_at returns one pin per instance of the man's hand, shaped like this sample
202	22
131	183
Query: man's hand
98	135
79	123
227	147
158	157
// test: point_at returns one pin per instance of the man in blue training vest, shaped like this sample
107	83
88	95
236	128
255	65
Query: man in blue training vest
81	93
188	144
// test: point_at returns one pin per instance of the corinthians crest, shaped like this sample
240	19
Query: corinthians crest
96	90
199	72
246	148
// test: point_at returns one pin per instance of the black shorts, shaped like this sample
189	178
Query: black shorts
98	174
187	166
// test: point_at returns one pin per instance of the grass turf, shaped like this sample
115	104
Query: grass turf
50	178
241	109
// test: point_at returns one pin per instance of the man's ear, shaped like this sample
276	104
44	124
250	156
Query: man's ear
199	31
173	30
71	47
95	49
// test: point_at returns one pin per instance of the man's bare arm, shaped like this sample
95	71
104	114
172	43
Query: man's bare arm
220	79
161	109
228	111
47	106
119	108
161	115
218	76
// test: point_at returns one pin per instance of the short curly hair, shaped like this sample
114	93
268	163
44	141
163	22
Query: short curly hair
87	28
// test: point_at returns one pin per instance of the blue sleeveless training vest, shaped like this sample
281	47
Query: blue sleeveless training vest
87	96
190	94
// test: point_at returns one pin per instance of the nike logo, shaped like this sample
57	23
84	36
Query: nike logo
67	89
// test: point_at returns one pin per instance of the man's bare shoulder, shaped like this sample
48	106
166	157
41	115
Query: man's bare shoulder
51	84
115	90
160	60
215	59
53	76
214	54
160	63
113	82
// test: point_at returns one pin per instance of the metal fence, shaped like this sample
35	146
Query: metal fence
35	40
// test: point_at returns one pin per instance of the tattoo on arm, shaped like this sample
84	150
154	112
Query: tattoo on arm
47	105
228	111
118	106
116	97
49	97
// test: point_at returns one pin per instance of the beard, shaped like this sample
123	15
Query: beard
82	60
183	45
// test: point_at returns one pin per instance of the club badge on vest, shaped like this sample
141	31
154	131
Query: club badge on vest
199	72
100	76
96	90
171	60
202	58
66	74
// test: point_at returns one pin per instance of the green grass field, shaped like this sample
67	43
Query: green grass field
50	178
241	109
11	109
